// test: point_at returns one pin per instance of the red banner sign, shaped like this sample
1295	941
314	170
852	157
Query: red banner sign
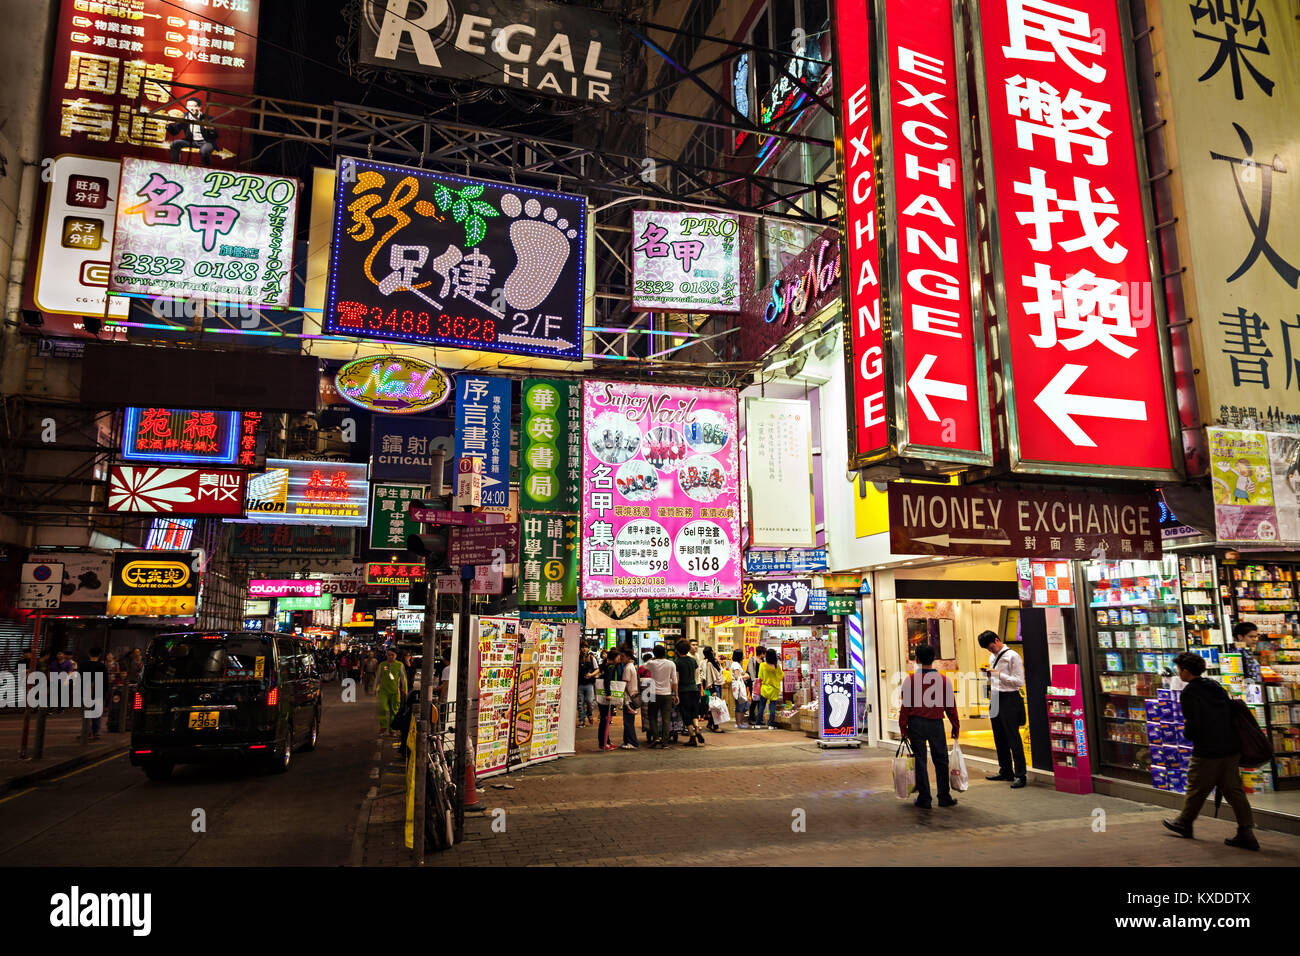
864	342
195	492
1082	337
933	292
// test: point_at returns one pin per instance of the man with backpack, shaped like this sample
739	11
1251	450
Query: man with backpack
1209	723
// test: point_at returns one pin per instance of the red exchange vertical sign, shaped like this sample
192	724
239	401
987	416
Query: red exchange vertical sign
1082	333
933	291
864	342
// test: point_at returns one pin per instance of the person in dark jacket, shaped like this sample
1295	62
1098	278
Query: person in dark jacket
1216	750
927	697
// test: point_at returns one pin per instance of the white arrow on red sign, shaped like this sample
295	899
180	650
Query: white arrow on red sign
944	540
923	388
1061	406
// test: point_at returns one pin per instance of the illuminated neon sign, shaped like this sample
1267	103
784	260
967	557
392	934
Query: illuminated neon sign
394	384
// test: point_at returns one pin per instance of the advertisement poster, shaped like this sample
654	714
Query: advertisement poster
401	449
521	738
309	492
192	231
548	562
839	718
390	522
633	614
1242	482
549	658
779	456
1284	463
189	436
155	583
685	261
660	492
483	432
551	451
790	666
419	256
498	644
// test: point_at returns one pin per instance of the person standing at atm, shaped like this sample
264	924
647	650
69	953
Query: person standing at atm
1006	673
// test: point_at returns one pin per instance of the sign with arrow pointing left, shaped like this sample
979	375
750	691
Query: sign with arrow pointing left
1011	523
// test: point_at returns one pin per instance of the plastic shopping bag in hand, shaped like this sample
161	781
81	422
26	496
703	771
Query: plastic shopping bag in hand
958	778
904	768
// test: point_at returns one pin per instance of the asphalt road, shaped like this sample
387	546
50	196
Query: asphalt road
110	814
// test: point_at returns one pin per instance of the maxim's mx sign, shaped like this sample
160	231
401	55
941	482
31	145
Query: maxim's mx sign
530	45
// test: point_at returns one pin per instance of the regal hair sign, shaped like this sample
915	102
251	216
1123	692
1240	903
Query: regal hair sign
393	384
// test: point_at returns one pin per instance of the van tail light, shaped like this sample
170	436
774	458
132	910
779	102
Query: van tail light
273	697
138	703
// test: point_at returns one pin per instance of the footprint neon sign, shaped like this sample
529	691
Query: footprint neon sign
393	384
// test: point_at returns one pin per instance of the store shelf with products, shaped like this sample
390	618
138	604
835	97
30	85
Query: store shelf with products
1136	610
1202	616
1265	595
1071	763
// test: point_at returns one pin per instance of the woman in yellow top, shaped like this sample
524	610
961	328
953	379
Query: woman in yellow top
770	676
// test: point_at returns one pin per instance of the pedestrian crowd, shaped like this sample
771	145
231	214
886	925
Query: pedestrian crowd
674	699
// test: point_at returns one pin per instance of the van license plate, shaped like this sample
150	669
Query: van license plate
204	719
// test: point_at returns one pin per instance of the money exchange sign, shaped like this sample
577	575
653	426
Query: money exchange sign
660	492
422	257
206	233
1080	319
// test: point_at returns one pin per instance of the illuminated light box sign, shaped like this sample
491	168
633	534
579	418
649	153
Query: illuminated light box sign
685	261
528	45
322	603
212	492
155	583
309	492
422	257
660	492
378	572
1081	323
939	409
191	436
190	231
277	588
806	285
393	384
257	609
170	534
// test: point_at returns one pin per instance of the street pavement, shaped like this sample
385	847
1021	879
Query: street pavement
107	813
745	798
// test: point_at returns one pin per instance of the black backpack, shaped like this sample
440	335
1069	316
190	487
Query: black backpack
1255	746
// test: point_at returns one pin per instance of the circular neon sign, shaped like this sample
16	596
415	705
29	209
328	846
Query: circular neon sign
393	384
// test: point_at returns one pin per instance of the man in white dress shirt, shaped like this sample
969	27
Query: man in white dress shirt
1007	709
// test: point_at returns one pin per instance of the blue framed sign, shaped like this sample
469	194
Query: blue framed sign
483	431
839	704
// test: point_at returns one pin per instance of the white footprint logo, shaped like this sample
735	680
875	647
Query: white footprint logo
839	699
801	595
541	249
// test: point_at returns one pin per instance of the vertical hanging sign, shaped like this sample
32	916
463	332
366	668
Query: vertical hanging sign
483	431
864	340
940	390
1082	332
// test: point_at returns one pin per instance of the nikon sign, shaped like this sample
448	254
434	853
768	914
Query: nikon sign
536	46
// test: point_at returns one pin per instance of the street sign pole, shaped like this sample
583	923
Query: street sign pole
27	711
462	697
424	713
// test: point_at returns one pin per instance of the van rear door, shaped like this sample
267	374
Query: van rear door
208	688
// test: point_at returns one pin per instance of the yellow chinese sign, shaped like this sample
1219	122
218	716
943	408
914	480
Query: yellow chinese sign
1229	77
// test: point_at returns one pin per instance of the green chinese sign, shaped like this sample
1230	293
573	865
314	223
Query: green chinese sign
551	452
549	549
390	521
841	604
676	610
322	603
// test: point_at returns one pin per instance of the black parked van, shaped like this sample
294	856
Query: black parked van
206	695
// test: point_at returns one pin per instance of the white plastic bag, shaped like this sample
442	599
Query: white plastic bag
718	708
958	778
904	770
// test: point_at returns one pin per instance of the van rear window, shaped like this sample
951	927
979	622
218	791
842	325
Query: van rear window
196	660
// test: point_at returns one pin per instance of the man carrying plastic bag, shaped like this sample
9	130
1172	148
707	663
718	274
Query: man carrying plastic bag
904	768
927	696
958	778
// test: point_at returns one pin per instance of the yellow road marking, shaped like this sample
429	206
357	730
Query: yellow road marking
87	767
15	796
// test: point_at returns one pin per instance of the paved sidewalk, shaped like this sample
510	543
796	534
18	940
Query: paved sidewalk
63	751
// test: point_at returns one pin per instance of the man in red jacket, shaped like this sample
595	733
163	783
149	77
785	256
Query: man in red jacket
927	696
